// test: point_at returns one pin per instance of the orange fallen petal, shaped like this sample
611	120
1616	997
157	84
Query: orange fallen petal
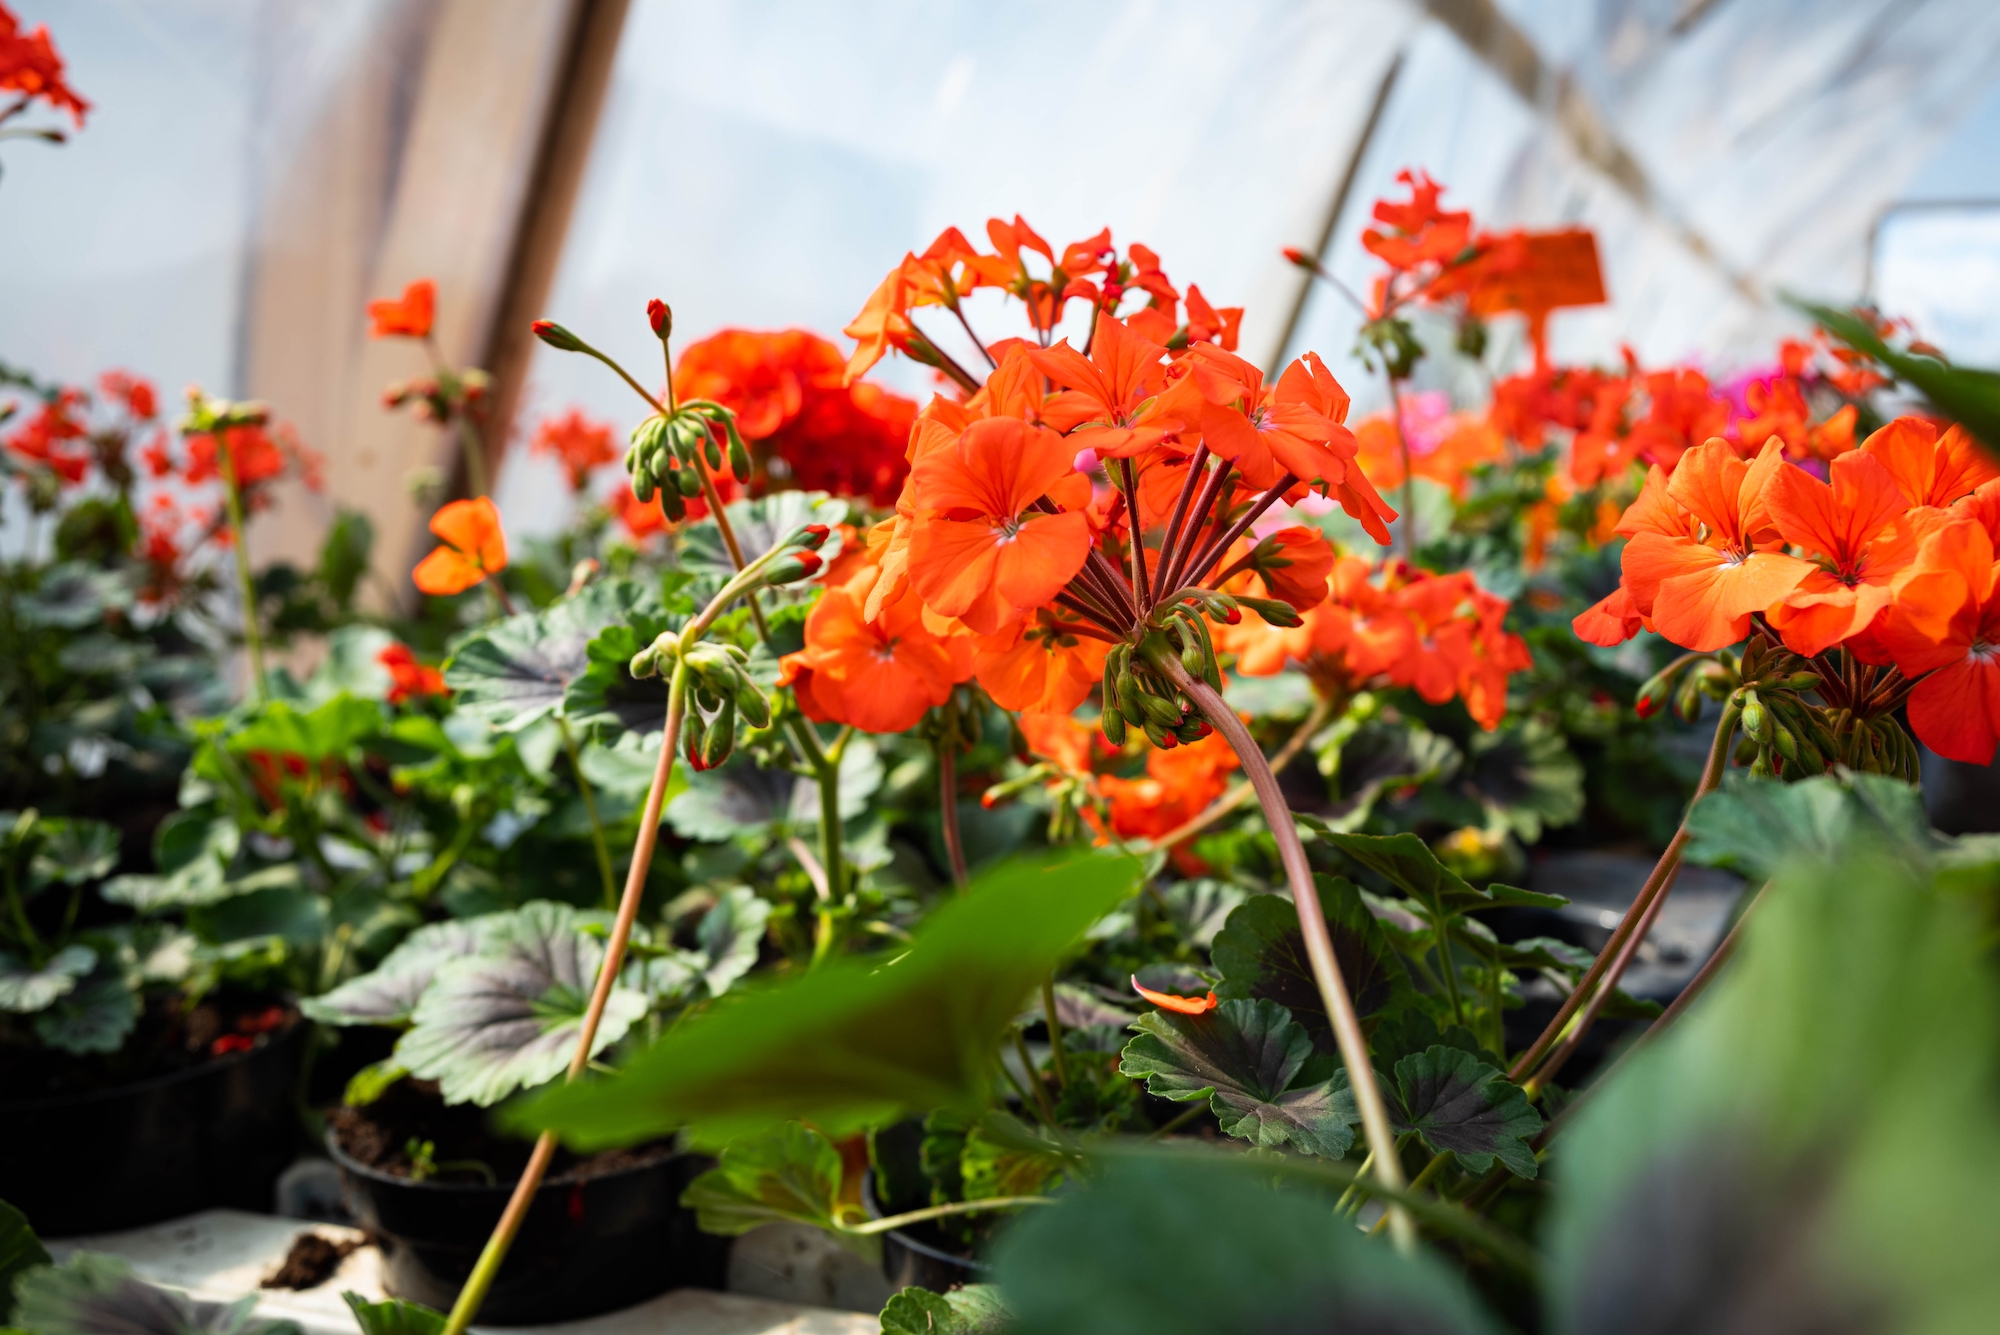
1167	1001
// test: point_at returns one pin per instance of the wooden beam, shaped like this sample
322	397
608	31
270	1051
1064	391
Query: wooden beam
565	152
435	180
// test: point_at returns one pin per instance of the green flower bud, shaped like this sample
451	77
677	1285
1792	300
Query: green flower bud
1113	724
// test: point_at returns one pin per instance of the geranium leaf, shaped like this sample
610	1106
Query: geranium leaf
387	994
607	699
25	989
739	799
332	729
193	851
1163	1245
1242	1057
1456	1102
1526	773
1374	756
517	672
72	596
20	1250
791	1173
975	1309
758	524
93	1016
1261	953
1755	825
90	1294
855	1042
1413	1030
1408	864
75	852
508	1019
393	1316
352	665
730	934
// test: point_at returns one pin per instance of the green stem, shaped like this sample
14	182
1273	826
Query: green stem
826	774
246	587
487	1268
1055	1031
1409	516
1418	1183
947	759
1441	941
1353	1044
604	870
1035	1083
887	1222
1179	1120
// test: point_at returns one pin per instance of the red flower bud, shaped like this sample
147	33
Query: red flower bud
810	560
988	800
1298	257
660	316
812	536
1235	616
556	336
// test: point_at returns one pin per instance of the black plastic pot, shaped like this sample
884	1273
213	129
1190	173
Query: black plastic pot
920	1254
213	1135
590	1244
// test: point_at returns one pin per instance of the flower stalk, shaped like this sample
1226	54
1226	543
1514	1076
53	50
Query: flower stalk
1333	991
246	585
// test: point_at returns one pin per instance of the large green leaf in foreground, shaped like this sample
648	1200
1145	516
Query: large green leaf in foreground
857	1042
1815	1146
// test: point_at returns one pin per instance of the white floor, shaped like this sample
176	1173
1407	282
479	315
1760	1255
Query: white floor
223	1254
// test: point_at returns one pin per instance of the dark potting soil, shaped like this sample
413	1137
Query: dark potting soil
169	1037
310	1263
379	1136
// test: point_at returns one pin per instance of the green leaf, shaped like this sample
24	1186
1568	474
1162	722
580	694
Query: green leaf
20	1250
352	665
1261	953
856	1042
75	852
371	1082
329	730
791	1173
1408	864
516	673
1826	1107
509	1018
90	1294
1195	1246
93	1016
607	699
1963	394
388	994
1755	825
1373	757
758	525
1527	775
193	850
393	1316
71	596
1456	1102
1242	1057
25	989
740	800
729	936
1413	1030
1000	1157
975	1309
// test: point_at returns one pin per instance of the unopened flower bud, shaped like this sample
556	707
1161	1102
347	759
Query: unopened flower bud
792	567
812	537
661	317
557	337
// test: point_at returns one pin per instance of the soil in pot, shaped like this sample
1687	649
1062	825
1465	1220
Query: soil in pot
605	1230
199	1110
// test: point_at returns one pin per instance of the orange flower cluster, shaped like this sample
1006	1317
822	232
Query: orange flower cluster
807	426
1653	417
1432	252
31	69
1077	499
1890	560
1178	784
1393	625
407	316
578	443
1089	271
1442	445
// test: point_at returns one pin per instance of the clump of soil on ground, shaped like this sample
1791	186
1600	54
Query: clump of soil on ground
310	1263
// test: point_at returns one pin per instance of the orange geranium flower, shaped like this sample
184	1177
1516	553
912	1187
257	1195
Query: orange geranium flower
1105	395
1177	786
407	316
1292	564
1167	1001
407	677
981	551
879	676
1059	738
31	68
1946	622
1699	588
1930	468
1040	666
474	547
1851	527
